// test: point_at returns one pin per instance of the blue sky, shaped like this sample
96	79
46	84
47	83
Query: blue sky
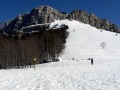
109	9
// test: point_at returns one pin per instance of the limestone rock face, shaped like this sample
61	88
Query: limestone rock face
41	15
79	15
93	20
47	14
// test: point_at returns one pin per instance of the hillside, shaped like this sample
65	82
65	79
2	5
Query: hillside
85	41
82	43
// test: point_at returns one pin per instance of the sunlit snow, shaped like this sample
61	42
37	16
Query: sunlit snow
82	43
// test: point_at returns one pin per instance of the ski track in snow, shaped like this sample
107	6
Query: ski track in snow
83	42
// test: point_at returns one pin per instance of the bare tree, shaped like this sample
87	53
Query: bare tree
103	45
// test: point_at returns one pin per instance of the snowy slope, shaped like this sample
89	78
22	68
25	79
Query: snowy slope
83	42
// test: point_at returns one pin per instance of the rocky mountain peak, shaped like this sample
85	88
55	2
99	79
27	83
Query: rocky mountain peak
47	14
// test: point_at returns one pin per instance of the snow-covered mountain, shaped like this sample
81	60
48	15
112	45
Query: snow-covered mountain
82	43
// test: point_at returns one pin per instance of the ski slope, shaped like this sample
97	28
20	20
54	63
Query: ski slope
82	43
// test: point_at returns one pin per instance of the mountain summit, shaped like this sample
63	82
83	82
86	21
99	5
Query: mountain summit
47	14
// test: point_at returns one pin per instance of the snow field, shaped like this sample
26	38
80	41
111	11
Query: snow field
83	42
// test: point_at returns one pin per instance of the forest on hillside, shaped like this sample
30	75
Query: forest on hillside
45	46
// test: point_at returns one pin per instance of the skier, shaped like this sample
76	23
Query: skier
34	62
91	61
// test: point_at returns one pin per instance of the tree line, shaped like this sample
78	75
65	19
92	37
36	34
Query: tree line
45	46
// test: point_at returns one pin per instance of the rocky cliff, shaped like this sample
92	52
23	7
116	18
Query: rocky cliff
47	14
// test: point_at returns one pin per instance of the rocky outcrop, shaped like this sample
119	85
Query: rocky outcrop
93	20
43	14
79	15
46	14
